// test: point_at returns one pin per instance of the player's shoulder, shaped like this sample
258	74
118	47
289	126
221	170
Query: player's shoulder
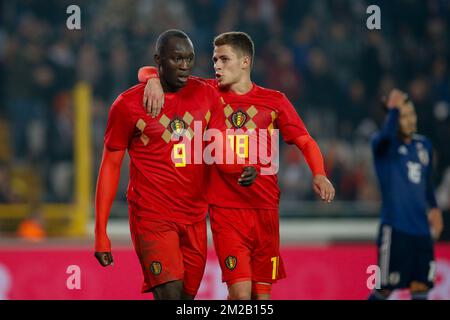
133	92
270	93
199	88
202	84
419	138
129	96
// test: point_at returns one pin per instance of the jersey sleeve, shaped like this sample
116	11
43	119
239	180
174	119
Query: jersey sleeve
388	133
119	128
289	121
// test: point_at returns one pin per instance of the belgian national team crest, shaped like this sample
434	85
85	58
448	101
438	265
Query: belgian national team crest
238	118
156	267
231	262
177	126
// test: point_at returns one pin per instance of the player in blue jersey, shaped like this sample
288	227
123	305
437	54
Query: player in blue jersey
410	218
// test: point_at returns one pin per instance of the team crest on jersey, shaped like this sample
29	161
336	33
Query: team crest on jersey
177	126
231	262
238	118
403	150
422	153
156	267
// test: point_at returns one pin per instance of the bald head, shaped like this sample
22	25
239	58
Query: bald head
174	58
165	37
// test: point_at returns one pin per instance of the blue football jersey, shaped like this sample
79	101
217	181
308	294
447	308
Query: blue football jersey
404	175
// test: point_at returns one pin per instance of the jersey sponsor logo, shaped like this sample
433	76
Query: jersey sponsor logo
231	262
238	118
178	127
156	267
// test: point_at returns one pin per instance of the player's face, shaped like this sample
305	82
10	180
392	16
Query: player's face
229	65
176	62
408	120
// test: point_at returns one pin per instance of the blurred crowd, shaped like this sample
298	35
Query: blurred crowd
320	53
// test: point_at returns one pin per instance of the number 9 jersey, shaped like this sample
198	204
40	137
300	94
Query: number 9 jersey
167	173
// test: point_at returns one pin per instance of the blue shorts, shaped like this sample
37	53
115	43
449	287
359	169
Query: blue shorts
404	258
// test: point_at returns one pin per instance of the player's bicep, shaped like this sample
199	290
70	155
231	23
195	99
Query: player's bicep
289	121
113	157
380	144
119	128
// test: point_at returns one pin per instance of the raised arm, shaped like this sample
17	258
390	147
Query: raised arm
389	131
153	99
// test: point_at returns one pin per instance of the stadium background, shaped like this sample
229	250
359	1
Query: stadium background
57	86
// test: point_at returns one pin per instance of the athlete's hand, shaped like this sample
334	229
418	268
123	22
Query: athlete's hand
396	99
248	176
323	188
103	248
436	222
153	99
105	258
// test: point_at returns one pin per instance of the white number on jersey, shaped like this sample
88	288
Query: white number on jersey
414	172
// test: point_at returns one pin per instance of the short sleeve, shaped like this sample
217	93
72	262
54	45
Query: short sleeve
120	128
289	122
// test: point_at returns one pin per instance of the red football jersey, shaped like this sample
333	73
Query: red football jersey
260	108
167	179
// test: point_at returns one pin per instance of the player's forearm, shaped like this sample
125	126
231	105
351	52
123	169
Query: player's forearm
107	185
312	154
105	194
387	133
390	127
146	73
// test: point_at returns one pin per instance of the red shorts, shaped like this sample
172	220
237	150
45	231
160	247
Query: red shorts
247	243
169	251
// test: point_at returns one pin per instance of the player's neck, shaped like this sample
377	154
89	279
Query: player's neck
167	88
243	86
406	139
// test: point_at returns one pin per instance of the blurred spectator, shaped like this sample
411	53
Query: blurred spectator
6	192
443	191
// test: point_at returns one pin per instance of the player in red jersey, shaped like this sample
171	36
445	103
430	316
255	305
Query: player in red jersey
166	191
245	223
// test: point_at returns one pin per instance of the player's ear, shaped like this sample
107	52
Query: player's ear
246	62
157	59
